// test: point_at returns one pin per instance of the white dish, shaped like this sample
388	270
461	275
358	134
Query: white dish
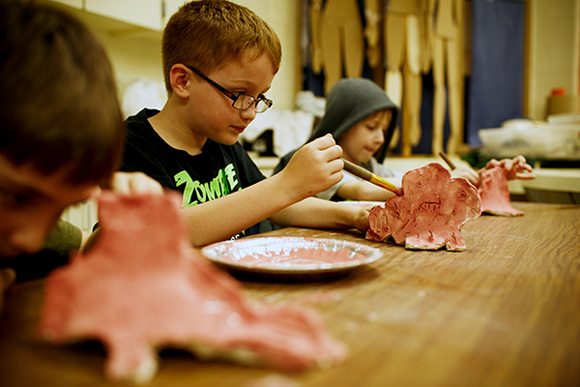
544	141
291	255
362	204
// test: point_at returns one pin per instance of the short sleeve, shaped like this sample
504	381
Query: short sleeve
331	192
64	238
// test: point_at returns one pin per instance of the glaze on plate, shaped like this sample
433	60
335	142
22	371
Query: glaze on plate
291	255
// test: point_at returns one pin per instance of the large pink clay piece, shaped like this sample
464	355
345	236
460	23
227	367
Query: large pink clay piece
142	287
495	195
429	214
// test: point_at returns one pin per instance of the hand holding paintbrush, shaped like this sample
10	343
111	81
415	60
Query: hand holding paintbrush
513	169
465	172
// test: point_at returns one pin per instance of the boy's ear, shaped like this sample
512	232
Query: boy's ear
180	80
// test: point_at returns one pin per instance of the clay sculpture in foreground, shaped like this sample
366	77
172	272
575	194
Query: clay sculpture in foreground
430	213
143	287
494	193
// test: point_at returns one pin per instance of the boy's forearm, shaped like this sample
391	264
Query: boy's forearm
363	191
222	218
320	213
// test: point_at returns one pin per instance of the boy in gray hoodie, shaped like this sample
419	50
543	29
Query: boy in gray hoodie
362	119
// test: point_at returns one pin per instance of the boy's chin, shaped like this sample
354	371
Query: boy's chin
228	140
6	254
364	160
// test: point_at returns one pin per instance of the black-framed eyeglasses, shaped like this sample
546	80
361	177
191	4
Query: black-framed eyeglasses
241	101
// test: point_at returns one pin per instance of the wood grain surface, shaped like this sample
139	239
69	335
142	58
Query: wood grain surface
504	312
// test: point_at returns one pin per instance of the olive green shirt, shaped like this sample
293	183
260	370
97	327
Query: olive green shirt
64	238
62	241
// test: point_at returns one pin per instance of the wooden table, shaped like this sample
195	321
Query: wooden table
504	312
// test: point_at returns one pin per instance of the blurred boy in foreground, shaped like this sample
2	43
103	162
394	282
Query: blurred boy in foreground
61	135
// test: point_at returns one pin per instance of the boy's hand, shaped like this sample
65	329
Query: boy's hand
361	219
314	167
7	277
513	167
467	173
124	183
131	183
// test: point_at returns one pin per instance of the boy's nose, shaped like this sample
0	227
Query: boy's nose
249	114
29	238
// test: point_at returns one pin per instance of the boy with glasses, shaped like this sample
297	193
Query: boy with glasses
219	60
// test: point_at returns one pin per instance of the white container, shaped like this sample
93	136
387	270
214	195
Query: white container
549	141
564	118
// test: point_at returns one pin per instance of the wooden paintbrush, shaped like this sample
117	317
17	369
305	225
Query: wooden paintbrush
447	160
367	175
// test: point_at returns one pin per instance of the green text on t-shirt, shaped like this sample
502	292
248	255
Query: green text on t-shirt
196	192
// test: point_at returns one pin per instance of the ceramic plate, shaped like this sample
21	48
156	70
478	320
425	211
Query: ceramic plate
291	255
362	203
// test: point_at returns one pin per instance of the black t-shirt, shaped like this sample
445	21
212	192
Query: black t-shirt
217	171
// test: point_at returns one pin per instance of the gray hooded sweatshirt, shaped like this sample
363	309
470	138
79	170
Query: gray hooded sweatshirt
349	101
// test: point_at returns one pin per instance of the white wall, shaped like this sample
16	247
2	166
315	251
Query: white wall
553	45
284	17
136	52
553	36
